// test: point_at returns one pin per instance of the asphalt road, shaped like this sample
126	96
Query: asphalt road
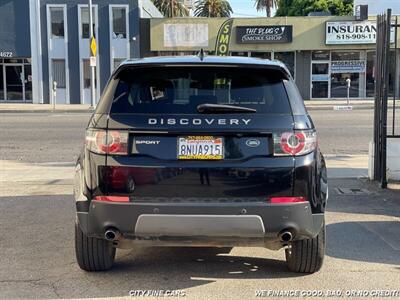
38	260
48	137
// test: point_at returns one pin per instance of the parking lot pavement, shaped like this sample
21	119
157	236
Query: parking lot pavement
37	254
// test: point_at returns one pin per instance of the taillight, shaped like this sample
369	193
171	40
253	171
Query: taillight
295	142
287	199
107	141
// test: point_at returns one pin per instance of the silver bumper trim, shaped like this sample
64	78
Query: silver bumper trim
199	225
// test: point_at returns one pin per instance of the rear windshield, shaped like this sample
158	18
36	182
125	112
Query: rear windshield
181	89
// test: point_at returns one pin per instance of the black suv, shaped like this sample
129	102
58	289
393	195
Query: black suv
201	151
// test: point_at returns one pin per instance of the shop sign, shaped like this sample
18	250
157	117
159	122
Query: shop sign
348	66
186	35
264	34
352	33
223	38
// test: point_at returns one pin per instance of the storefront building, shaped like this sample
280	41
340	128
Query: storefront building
15	52
45	43
320	52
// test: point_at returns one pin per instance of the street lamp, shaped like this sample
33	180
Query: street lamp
93	50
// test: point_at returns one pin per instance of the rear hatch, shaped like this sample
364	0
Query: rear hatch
199	133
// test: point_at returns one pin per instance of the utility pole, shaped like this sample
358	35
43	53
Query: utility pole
93	50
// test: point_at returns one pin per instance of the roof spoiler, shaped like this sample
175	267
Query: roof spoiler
281	68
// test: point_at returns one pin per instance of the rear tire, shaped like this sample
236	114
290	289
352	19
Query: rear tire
93	254
306	256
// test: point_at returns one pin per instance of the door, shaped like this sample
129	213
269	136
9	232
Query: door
59	79
14	78
320	80
87	95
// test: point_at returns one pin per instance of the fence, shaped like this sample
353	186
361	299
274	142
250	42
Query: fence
385	27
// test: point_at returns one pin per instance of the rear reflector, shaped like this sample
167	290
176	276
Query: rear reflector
288	199
112	198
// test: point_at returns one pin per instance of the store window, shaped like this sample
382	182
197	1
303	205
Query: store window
58	68
336	56
344	66
85	27
245	54
13	61
119	22
264	55
370	76
288	59
15	80
57	22
320	55
28	82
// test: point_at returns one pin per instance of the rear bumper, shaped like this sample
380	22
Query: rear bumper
188	224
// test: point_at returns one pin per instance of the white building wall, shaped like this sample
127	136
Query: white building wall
376	7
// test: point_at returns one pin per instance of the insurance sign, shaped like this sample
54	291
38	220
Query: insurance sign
351	32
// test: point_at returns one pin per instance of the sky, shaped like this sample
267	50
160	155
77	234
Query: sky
245	9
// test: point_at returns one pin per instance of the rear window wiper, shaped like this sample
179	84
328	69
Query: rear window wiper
208	108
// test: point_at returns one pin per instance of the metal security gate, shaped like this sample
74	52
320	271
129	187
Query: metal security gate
385	28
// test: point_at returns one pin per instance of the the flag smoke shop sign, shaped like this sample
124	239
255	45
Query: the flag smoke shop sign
264	34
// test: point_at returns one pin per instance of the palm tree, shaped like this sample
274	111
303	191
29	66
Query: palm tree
213	8
268	5
171	8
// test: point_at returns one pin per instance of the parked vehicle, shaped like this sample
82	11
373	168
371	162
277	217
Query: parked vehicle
201	151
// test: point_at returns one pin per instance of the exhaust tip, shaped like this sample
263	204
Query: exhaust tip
112	234
286	236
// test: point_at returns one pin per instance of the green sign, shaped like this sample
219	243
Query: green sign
223	38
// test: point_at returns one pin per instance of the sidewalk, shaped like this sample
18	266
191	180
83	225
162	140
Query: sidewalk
29	107
356	104
310	104
347	166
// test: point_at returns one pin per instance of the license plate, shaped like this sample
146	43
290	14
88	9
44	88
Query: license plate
200	147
